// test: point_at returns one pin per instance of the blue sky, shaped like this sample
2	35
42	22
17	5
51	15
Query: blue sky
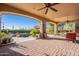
18	22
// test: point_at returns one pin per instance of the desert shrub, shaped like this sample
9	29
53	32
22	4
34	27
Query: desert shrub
5	38
2	34
34	32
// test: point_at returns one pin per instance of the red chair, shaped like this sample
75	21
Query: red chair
71	36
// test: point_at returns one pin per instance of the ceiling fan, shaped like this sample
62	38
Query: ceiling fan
49	6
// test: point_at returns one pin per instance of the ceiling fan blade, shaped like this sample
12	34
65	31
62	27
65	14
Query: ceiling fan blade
46	11
45	4
54	4
41	8
53	9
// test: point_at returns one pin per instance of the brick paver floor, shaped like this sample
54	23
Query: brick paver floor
42	48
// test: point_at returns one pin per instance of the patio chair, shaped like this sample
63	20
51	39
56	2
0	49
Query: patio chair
71	37
38	36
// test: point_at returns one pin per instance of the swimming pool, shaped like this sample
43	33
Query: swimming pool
22	35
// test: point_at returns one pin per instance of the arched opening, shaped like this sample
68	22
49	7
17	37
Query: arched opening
10	21
13	24
36	17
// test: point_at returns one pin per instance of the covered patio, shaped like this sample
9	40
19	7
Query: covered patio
44	46
65	12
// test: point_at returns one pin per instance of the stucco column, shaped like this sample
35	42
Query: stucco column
55	28
43	29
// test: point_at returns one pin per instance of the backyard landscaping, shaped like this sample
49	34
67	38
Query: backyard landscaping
4	38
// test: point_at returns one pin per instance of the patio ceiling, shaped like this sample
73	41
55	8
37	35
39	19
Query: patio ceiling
66	11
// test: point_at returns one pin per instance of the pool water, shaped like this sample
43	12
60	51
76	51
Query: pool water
22	35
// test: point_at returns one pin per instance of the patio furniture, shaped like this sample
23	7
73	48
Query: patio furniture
38	36
77	34
71	37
